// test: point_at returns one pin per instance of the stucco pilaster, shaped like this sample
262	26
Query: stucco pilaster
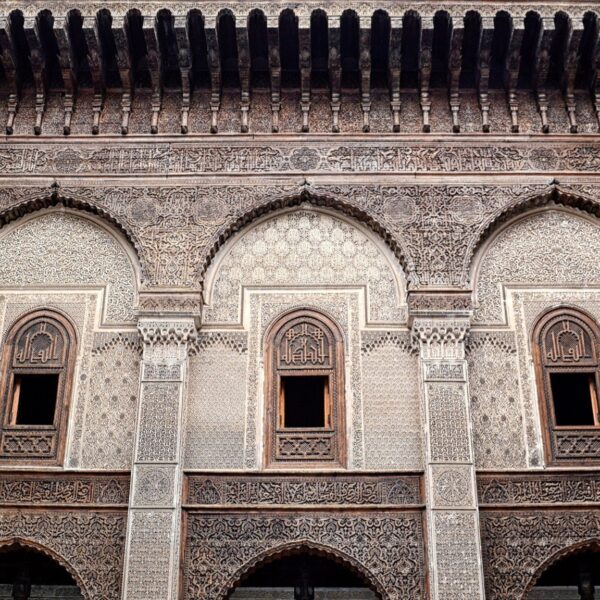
455	564
154	520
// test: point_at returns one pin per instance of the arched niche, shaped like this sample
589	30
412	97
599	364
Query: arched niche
384	549
305	571
27	568
305	247
549	247
572	573
68	249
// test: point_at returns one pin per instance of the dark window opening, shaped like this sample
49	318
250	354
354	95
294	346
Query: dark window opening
304	401
34	399
573	395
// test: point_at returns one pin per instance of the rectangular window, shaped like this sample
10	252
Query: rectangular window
304	401
34	399
574	399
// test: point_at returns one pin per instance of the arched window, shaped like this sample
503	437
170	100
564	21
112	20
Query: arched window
566	358
304	391
38	360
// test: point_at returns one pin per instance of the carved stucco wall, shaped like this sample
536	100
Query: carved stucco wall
391	400
330	263
62	249
551	247
496	408
74	264
534	263
110	387
216	406
527	307
301	248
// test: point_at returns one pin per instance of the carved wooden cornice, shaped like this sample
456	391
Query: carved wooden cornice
116	48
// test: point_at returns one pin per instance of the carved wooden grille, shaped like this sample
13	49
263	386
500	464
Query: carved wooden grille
41	344
304	344
565	343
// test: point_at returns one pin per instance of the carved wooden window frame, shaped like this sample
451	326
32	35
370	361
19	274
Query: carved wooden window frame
567	444
324	446
37	444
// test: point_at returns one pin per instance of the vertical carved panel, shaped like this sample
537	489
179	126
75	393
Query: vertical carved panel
452	515
154	520
157	440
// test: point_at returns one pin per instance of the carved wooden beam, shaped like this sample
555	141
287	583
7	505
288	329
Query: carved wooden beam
364	65
425	51
184	56
274	70
483	78
512	72
454	68
214	66
38	67
154	62
570	71
9	64
304	49
542	67
243	44
395	70
92	41
335	72
124	64
68	68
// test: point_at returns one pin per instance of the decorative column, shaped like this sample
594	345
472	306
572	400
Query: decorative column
455	564
151	570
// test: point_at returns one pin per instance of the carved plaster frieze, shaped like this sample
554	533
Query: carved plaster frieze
212	157
165	303
434	230
302	490
432	303
61	489
538	488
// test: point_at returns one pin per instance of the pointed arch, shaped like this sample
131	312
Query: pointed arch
26	544
301	547
592	544
55	198
112	263
377	271
343	206
553	196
